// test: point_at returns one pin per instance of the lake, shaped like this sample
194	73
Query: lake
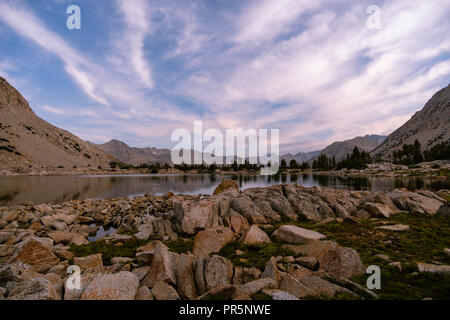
40	189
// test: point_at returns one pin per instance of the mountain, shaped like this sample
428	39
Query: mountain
134	156
29	142
300	156
429	126
340	149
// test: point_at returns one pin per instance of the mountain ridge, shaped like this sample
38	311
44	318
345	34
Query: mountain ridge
429	126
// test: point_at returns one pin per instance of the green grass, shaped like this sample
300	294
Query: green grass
255	255
181	246
425	241
108	251
261	296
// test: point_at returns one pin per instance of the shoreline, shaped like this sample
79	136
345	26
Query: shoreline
252	244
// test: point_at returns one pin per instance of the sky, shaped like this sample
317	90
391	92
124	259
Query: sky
137	70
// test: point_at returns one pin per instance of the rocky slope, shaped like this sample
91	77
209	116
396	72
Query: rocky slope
340	149
430	126
135	156
229	245
29	143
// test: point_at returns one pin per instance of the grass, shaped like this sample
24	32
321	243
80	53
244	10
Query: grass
425	241
255	255
181	246
108	251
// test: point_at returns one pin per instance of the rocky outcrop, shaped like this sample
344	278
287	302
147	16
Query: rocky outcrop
226	185
296	235
429	126
35	256
119	286
255	236
211	240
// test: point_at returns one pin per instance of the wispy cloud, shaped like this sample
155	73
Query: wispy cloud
131	44
310	68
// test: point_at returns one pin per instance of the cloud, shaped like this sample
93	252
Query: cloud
334	77
54	110
310	68
25	23
130	45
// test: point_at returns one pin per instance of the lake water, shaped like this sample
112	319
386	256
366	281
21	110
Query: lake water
40	189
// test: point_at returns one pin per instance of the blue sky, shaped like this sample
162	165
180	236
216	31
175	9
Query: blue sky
139	69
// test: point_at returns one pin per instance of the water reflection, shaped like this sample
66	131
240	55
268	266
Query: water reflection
16	190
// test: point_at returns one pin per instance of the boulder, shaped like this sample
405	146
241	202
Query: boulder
38	288
211	240
37	252
15	272
218	272
308	262
186	266
74	293
200	276
323	287
378	209
291	285
238	223
335	260
244	205
226	185
144	293
296	235
194	215
145	231
271	270
163	291
433	268
415	202
118	286
255	236
277	294
397	227
162	267
92	263
254	286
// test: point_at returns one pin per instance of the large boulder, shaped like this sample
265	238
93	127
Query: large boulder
291	285
218	272
271	270
254	286
195	215
244	205
37	252
423	202
307	203
238	223
186	266
38	288
118	286
323	287
433	268
296	235
162	267
337	261
163	291
92	263
226	185
255	236
211	240
378	204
